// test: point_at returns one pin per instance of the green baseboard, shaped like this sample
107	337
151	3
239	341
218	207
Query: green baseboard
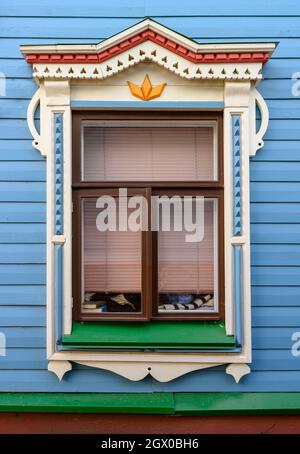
193	404
144	403
185	404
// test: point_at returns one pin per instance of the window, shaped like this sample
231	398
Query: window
117	142
172	162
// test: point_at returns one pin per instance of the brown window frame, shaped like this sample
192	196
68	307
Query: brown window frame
82	189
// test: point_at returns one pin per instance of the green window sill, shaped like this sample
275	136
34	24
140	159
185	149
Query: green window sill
154	335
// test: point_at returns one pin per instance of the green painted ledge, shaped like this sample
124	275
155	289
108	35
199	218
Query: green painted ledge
154	335
144	403
194	404
185	404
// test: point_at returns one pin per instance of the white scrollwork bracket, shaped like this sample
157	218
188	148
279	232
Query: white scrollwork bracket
137	371
59	368
37	140
264	113
238	371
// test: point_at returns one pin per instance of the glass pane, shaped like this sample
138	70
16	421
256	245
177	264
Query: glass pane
187	271
111	264
148	153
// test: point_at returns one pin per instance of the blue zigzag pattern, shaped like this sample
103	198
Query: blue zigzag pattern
58	168
236	158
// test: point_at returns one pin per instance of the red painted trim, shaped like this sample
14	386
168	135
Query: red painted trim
194	57
35	423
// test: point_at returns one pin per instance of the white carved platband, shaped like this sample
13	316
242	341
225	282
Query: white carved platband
149	53
235	85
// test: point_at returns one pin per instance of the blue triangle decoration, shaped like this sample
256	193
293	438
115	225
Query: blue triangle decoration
58	171
236	158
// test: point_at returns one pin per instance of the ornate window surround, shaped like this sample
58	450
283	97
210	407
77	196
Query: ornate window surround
207	77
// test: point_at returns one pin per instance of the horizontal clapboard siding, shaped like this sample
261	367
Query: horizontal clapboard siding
88	380
24	359
22	171
275	212
275	189
275	296
275	275
34	337
155	8
35	359
22	212
214	380
280	316
22	253
23	316
278	129
275	233
275	192
24	337
19	295
281	150
274	338
210	27
275	255
283	316
22	274
22	192
22	233
77	381
15	150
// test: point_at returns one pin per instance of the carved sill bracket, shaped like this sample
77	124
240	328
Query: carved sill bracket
238	371
59	368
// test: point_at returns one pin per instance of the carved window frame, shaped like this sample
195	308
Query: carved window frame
230	70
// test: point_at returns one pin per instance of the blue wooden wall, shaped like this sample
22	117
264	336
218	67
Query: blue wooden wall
275	187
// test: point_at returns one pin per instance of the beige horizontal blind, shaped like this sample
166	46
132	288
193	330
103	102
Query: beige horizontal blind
111	260
187	267
148	153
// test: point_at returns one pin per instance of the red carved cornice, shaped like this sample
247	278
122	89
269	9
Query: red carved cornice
194	57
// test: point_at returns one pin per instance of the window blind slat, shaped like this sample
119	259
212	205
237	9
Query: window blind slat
187	267
112	260
148	154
